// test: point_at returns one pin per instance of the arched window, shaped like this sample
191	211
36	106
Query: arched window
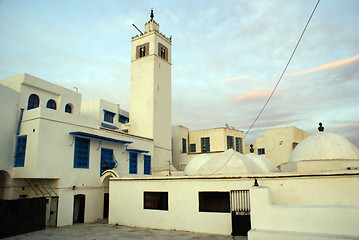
68	108
51	104
33	102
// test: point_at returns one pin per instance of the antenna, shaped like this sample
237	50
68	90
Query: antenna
137	29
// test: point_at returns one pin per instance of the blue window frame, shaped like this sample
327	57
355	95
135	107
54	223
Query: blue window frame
107	160
51	104
108	116
261	151
205	144
123	119
133	163
20	151
184	145
147	164
33	102
82	152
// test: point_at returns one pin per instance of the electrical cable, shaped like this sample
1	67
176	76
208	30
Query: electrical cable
280	78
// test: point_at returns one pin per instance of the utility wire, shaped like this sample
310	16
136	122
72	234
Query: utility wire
280	78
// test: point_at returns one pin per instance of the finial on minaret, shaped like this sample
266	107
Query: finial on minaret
252	149
321	128
152	15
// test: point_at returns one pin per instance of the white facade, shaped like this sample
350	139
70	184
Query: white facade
50	164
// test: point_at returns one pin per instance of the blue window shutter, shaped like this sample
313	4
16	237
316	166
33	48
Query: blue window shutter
106	159
82	152
133	163
20	151
147	164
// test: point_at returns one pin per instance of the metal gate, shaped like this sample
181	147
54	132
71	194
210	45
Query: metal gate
240	203
240	209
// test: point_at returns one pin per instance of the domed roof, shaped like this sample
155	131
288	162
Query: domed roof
195	163
323	146
229	162
263	163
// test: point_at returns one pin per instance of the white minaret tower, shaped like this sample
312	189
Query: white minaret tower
150	97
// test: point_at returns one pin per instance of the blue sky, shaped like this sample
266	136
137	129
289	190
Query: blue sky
227	56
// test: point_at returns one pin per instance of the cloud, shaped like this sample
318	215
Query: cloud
239	78
327	66
255	95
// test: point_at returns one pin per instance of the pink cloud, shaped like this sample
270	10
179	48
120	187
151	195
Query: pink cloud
327	66
252	95
239	78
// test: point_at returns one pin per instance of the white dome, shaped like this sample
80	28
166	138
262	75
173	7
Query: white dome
195	163
229	162
323	146
263	163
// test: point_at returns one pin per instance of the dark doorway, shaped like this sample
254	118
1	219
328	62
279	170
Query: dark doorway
79	208
22	216
105	205
240	209
241	224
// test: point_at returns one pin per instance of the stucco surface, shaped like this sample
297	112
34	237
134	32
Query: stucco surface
263	163
324	145
227	163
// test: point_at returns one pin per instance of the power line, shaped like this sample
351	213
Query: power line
280	78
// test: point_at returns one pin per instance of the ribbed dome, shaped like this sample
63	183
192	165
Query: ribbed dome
229	162
263	163
324	146
195	163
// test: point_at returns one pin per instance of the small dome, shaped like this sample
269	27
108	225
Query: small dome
229	162
195	163
263	163
323	146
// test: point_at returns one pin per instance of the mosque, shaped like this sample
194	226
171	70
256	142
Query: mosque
93	160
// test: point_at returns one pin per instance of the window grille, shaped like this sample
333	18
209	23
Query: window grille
240	202
108	116
239	144
147	165
20	151
123	119
133	163
261	151
82	152
107	159
205	145
230	142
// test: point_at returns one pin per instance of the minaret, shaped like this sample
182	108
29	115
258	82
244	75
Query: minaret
150	97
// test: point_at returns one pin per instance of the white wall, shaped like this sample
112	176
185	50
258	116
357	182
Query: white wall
126	198
9	115
270	221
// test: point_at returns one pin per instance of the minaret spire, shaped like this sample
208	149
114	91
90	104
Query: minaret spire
152	15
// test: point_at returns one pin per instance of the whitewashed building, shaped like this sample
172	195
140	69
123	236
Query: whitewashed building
57	146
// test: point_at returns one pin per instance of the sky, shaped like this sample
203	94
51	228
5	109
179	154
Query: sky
227	56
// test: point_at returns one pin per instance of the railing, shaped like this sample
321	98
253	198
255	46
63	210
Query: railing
240	202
